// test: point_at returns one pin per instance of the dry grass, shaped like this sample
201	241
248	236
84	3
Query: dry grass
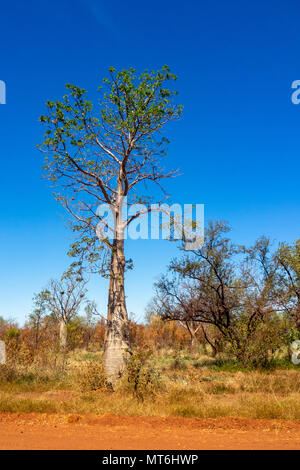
190	386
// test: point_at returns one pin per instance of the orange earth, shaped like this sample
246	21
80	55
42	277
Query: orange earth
45	431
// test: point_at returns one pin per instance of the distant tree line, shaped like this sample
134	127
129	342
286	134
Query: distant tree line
226	299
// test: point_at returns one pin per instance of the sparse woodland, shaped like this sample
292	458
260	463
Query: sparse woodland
216	339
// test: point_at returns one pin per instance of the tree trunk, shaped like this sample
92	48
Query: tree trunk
193	341
63	335
116	344
297	315
210	342
36	337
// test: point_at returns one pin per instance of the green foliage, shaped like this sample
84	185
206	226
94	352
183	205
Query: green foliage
247	295
91	150
13	333
288	290
142	103
141	376
93	378
290	256
178	363
139	106
258	349
293	335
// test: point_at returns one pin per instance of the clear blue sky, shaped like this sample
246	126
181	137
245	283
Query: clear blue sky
238	143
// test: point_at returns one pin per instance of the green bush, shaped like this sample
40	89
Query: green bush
259	348
93	377
141	376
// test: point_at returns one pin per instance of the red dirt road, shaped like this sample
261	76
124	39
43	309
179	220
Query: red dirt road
41	431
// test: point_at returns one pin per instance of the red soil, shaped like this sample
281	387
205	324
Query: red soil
41	431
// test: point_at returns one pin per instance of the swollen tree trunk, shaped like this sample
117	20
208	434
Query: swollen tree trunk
63	335
116	344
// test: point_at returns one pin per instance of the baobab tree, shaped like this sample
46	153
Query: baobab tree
64	299
105	154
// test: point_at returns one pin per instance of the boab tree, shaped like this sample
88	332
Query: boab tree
102	155
64	299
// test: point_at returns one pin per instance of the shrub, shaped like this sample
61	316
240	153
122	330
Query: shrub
141	376
7	373
13	333
93	377
257	349
178	363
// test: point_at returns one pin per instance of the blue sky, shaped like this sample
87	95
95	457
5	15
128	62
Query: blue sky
237	146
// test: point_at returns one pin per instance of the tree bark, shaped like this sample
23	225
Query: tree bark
297	315
213	346
63	335
116	344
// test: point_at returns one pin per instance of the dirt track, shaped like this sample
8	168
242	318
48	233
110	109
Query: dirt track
38	431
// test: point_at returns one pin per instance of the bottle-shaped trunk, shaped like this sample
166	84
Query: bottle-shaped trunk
116	345
63	335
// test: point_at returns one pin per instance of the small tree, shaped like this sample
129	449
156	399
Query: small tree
64	299
103	155
288	286
175	301
38	314
223	286
90	320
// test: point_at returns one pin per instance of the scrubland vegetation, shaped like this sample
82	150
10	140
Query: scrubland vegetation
166	376
216	341
217	335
